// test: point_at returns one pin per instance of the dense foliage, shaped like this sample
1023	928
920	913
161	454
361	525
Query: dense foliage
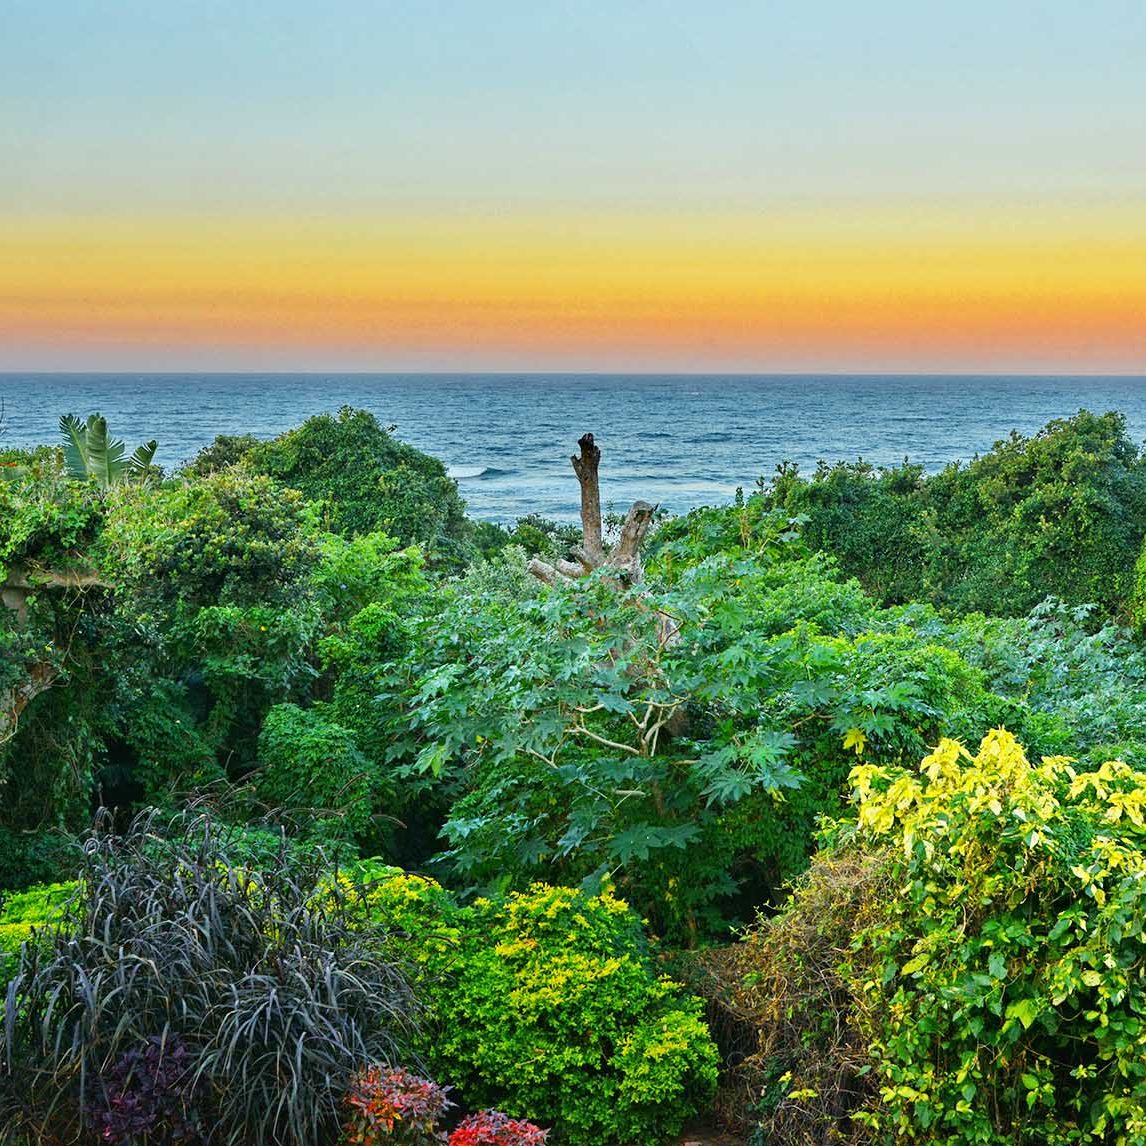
972	944
1060	514
307	637
366	480
548	1005
274	990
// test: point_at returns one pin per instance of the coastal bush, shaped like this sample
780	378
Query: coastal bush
1138	612
228	539
162	624
212	577
278	996
312	772
34	857
368	481
226	450
1061	513
554	1012
873	521
1085	676
996	994
537	536
546	1004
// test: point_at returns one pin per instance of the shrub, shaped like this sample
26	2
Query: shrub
212	581
150	1094
421	917
28	858
25	914
1138	605
575	742
996	983
553	1010
276	992
312	770
872	520
368	481
226	450
547	1005
391	1105
230	538
492	1128
780	1005
1061	513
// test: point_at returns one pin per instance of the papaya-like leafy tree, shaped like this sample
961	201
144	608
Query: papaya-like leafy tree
92	454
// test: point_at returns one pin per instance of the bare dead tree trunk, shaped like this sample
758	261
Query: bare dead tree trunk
585	467
625	557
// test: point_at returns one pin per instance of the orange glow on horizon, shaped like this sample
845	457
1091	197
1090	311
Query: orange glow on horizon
937	287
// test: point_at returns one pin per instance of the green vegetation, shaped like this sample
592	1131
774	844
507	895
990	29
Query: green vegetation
1061	514
475	827
976	936
548	1004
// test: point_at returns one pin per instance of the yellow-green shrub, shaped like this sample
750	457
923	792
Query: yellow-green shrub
964	962
23	913
1002	991
557	1014
549	1006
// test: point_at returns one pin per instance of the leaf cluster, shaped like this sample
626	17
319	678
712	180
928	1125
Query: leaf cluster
277	993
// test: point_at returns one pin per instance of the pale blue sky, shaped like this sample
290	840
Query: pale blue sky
172	105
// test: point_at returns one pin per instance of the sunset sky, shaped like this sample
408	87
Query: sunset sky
561	185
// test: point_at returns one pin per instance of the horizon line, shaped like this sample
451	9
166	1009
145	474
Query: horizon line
186	373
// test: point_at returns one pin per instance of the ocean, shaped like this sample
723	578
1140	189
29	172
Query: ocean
678	440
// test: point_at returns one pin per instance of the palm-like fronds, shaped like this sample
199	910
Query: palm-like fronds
140	461
92	454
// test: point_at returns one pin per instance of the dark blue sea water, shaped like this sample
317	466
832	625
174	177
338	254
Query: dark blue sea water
681	440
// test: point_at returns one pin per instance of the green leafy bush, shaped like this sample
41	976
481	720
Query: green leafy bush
226	450
32	857
547	1004
368	482
557	1013
51	630
311	769
1062	513
995	985
212	577
229	538
1082	680
1138	610
873	521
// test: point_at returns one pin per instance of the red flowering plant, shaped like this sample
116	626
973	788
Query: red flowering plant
492	1128
391	1106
